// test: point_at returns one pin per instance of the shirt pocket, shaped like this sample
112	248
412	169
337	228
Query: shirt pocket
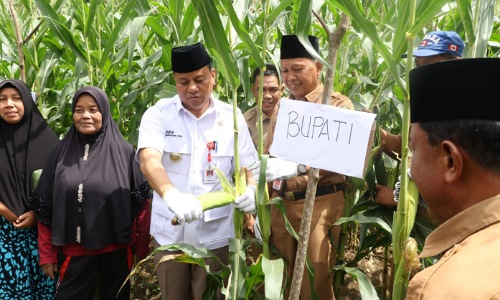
223	157
217	224
162	225
176	159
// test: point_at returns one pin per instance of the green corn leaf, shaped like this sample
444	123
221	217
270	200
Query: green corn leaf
216	40
91	16
366	288
226	185
35	178
63	32
243	33
273	270
360	219
135	28
110	43
254	279
236	286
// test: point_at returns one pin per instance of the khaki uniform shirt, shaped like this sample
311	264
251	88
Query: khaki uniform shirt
299	183
251	117
470	266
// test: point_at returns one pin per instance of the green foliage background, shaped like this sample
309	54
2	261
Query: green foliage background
124	47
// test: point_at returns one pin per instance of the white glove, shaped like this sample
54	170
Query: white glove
246	201
185	206
277	168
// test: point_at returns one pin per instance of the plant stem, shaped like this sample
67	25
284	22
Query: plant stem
19	41
264	210
239	175
305	229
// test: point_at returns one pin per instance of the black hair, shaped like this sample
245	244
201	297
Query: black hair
479	138
270	71
449	56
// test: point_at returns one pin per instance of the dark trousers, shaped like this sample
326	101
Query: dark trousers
82	277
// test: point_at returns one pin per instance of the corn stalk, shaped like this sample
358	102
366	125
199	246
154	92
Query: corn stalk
19	41
125	46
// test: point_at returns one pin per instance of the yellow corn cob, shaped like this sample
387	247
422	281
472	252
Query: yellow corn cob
215	199
211	200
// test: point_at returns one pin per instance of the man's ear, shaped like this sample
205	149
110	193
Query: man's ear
453	161
213	74
319	66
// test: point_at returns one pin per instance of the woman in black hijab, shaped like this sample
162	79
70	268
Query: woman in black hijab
25	143
90	196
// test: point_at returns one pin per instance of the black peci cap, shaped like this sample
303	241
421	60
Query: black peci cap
455	89
292	48
189	58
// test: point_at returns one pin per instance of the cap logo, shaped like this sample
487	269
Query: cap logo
440	42
435	39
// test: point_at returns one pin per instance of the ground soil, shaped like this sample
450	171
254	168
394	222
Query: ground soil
144	284
372	266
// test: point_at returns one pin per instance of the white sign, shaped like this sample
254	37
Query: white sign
323	136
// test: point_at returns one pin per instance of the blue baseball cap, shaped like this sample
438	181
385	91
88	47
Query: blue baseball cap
440	42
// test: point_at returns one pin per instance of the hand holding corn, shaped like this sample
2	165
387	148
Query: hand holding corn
185	206
246	201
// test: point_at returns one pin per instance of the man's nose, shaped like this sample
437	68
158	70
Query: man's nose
193	88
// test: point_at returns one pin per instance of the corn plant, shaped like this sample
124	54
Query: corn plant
124	47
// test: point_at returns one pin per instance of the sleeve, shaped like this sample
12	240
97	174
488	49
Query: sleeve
47	251
151	130
270	129
251	121
339	100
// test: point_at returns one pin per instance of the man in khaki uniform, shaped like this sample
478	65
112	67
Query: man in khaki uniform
436	46
301	74
455	164
272	89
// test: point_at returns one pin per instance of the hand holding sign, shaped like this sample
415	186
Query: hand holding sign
277	168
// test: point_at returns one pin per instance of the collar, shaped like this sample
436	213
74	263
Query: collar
179	107
461	226
314	96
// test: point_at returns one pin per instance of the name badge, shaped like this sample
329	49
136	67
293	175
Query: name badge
209	175
277	184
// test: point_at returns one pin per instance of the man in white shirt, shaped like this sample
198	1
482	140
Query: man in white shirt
181	140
